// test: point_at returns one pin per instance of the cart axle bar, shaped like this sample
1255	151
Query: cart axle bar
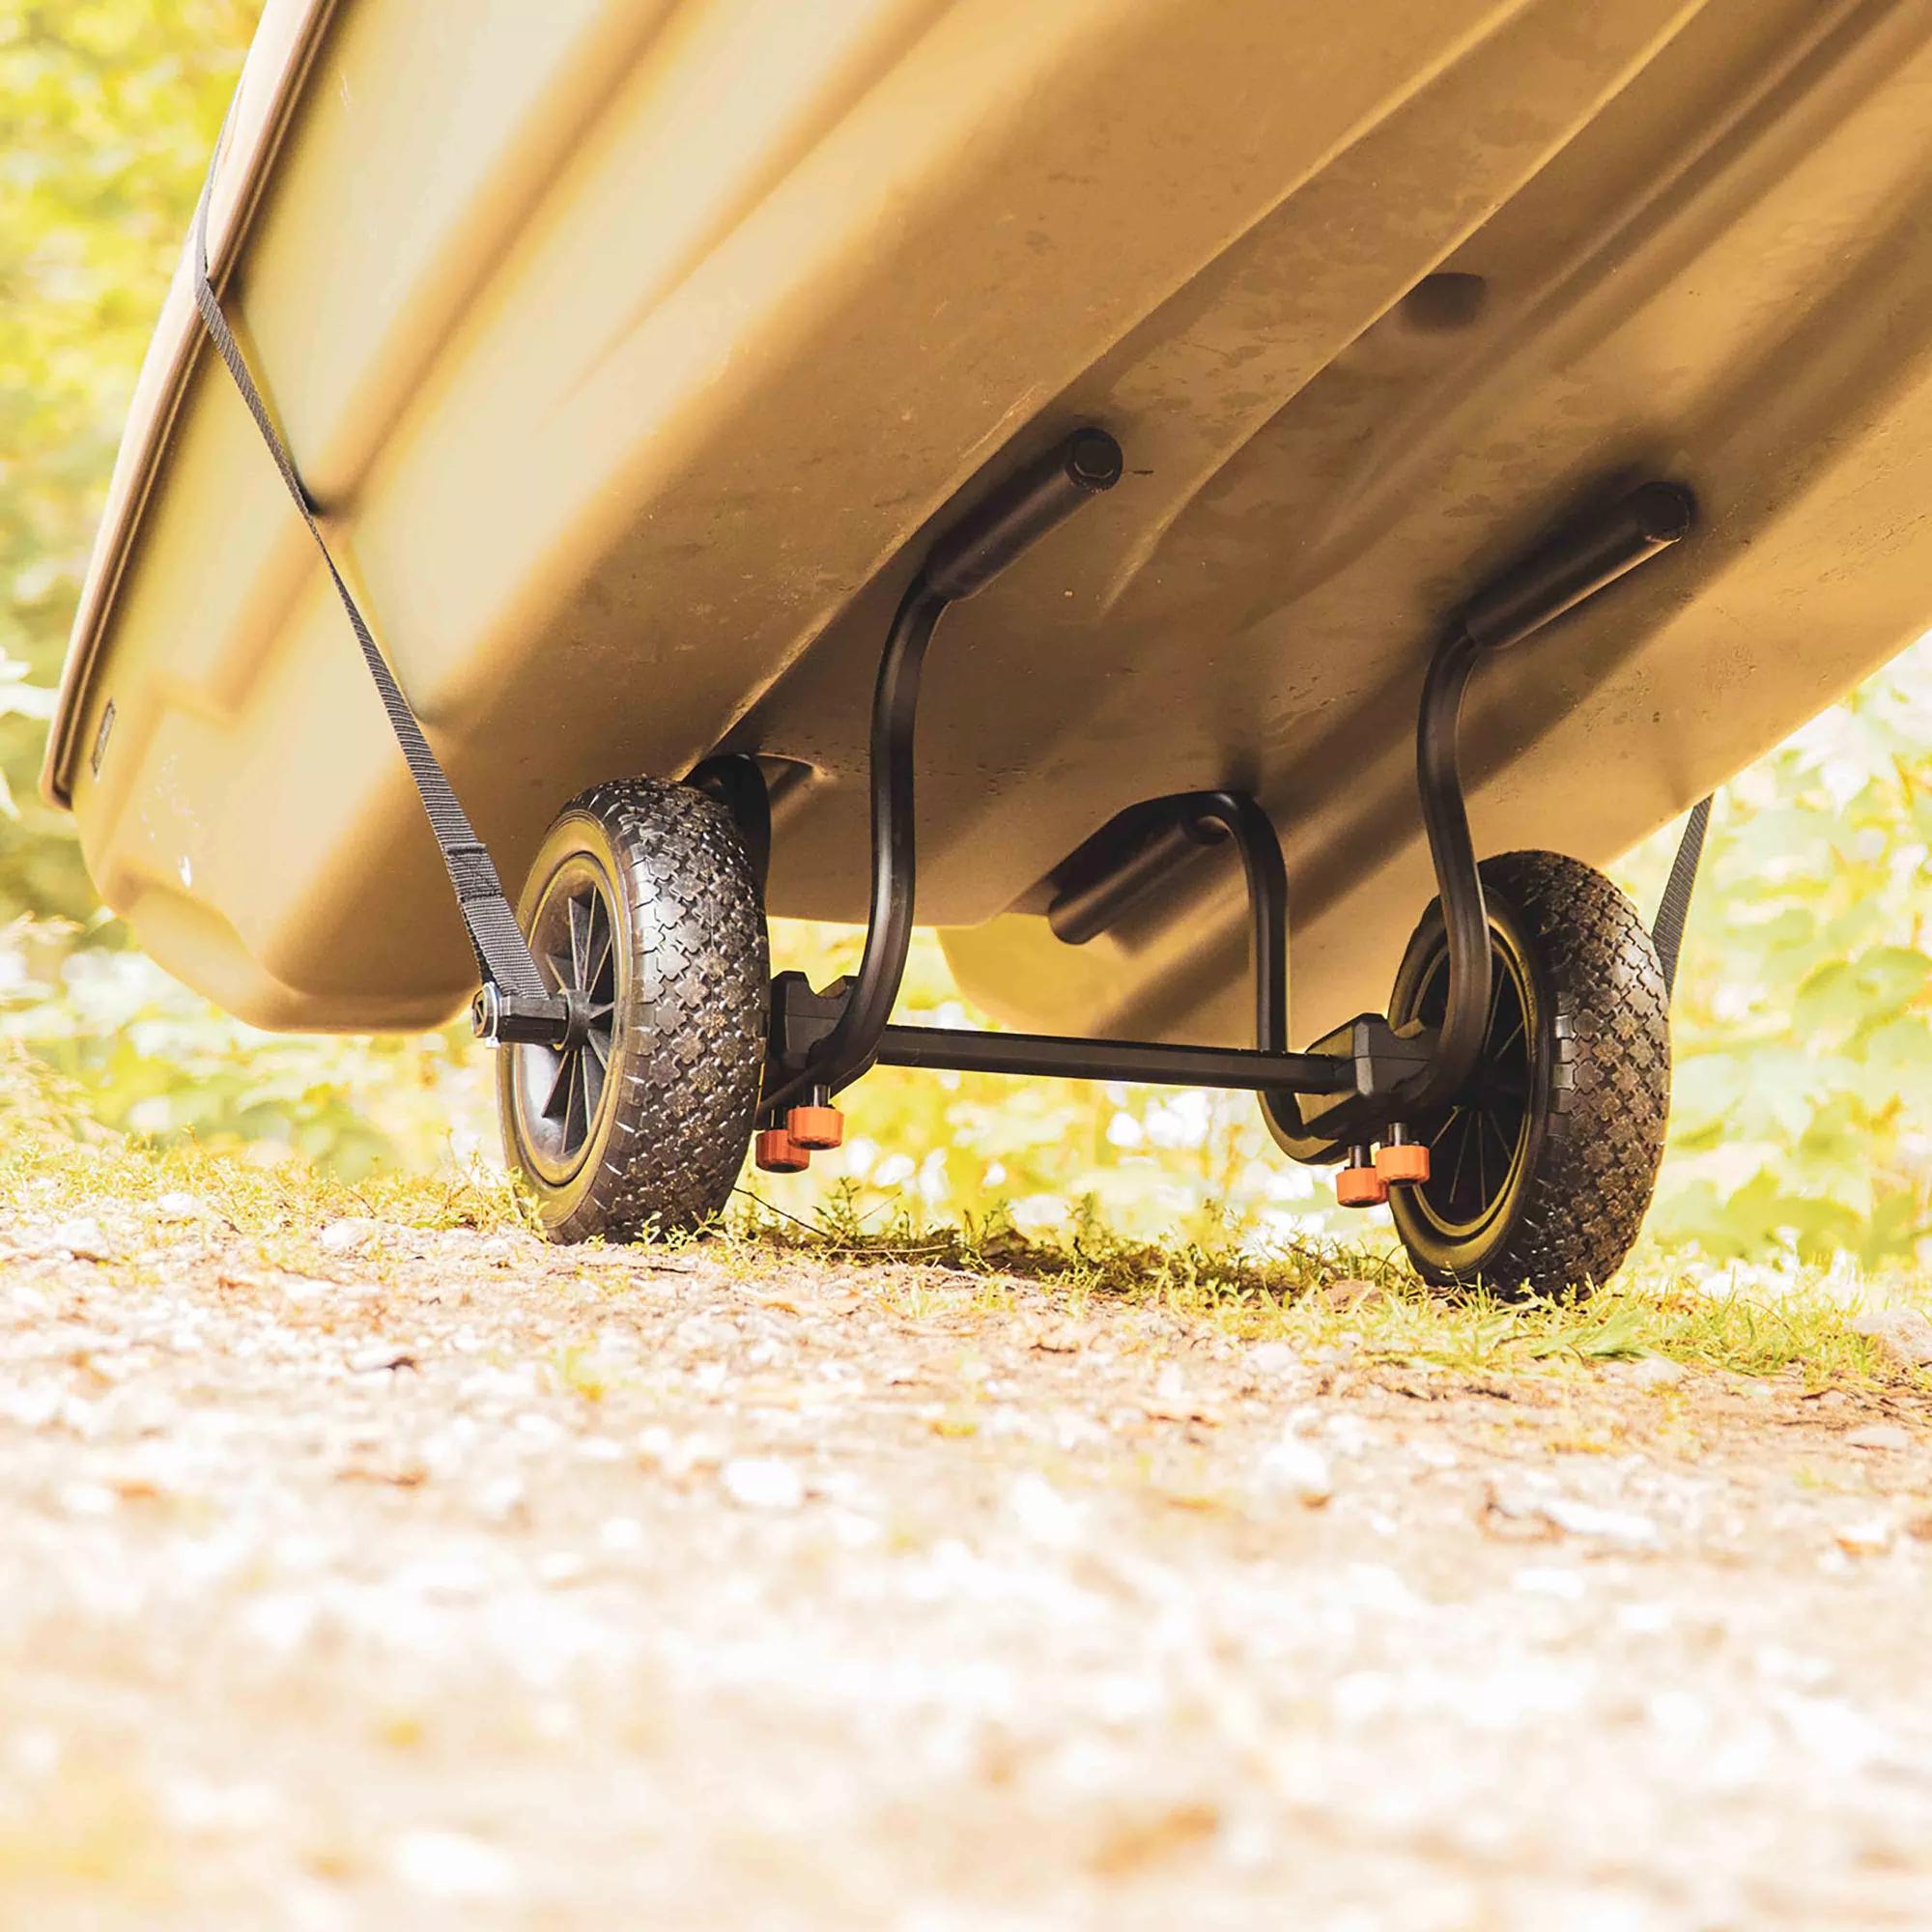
1142	1062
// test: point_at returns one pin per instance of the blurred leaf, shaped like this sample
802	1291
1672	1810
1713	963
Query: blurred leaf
1802	1115
110	108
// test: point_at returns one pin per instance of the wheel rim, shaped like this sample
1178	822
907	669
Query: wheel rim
560	1091
1479	1144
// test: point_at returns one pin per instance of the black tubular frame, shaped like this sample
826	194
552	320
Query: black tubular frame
1553	579
1191	819
1185	823
963	561
1363	1081
849	1048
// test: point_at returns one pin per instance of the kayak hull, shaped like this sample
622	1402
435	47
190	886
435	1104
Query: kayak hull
633	352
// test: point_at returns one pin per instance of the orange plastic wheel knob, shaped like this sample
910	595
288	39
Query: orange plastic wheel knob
777	1153
816	1127
1360	1188
1403	1163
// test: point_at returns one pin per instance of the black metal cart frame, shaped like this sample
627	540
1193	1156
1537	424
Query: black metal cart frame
1358	1085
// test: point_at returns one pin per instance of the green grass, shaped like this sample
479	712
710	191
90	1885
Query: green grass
54	1160
1660	1305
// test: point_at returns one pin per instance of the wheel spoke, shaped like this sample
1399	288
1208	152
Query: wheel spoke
1462	1154
575	939
1471	1195
1475	1141
556	1103
579	941
601	973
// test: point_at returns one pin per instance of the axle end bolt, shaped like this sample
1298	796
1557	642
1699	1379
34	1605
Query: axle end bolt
1358	1184
777	1153
816	1128
1401	1161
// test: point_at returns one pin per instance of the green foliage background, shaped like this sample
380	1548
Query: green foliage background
108	109
1804	1107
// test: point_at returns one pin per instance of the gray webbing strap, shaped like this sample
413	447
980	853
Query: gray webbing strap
1673	909
503	953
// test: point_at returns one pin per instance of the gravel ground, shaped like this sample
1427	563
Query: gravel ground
445	1580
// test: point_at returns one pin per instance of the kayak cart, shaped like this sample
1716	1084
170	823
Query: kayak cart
1153	489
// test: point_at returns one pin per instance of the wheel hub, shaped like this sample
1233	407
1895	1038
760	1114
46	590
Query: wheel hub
560	1088
1477	1143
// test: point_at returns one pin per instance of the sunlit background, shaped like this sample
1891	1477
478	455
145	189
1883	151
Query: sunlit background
1804	1031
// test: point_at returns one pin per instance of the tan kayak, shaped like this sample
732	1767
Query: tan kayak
635	355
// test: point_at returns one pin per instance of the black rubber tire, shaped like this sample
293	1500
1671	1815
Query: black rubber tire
1587	980
666	1139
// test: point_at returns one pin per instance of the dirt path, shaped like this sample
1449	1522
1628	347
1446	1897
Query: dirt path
446	1580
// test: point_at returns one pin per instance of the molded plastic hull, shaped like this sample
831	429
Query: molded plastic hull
633	350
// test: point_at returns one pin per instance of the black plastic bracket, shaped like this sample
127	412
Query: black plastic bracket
738	784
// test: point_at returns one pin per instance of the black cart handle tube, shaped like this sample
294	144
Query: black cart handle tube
1100	901
847	1050
1551	580
1021	511
1558	576
964	560
1194	820
1253	832
1459	884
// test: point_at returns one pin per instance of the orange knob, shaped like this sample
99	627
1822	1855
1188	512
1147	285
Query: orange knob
1403	1163
1360	1188
777	1153
816	1127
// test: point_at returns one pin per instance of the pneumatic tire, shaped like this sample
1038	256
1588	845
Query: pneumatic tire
1543	1167
643	898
